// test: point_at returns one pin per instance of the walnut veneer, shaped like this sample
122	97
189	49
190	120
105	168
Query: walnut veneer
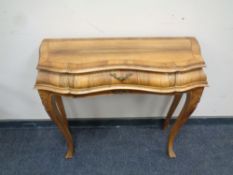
78	67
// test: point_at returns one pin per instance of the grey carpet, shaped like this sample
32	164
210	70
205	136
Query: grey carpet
125	150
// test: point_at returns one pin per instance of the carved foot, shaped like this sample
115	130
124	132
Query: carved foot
55	109
69	153
171	153
172	109
192	99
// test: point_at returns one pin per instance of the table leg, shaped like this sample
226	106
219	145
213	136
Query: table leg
53	105
192	99
172	109
60	107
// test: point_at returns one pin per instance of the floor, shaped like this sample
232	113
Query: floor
117	150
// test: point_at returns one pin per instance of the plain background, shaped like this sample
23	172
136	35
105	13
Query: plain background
24	23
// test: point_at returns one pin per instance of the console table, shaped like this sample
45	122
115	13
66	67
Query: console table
80	67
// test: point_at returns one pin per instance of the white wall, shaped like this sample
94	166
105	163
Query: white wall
24	23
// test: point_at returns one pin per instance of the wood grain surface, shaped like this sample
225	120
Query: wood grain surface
82	66
151	54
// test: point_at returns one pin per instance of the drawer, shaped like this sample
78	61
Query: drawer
119	79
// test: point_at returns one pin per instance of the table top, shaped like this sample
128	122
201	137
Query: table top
150	54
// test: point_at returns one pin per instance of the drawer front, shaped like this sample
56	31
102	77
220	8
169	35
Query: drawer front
119	79
124	78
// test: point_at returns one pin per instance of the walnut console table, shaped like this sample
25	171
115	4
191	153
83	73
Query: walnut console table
79	67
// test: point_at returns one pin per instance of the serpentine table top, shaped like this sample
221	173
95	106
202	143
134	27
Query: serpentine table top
79	67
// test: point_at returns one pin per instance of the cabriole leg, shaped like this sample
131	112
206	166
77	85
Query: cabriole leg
192	99
55	109
172	109
61	109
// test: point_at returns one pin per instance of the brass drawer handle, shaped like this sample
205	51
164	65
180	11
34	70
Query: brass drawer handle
122	77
